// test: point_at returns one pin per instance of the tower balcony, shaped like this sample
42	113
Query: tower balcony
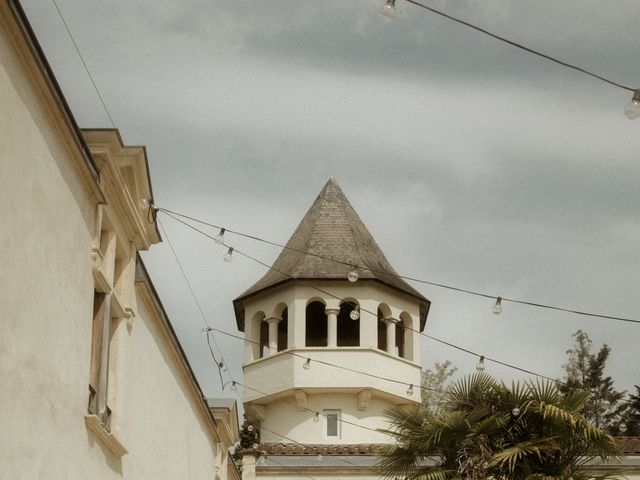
346	369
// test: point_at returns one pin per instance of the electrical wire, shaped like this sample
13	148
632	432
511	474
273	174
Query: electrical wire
86	68
518	45
452	345
195	299
404	277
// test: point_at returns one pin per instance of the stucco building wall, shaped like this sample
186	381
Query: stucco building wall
49	197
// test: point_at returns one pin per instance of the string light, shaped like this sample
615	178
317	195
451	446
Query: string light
319	458
516	411
355	313
480	366
222	367
497	308
410	390
250	429
622	427
632	109
206	330
316	417
353	275
499	362
228	257
219	239
144	203
171	213
388	11
307	364
233	387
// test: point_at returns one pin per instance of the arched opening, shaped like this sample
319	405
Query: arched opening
264	339
400	339
407	336
348	329
315	325
283	329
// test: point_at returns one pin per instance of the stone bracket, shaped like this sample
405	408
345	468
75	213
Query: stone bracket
363	399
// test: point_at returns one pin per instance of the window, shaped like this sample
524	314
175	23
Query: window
400	339
382	331
100	341
264	339
316	325
348	329
283	327
331	424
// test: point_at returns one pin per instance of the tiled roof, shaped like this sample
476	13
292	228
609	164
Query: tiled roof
331	229
629	445
299	449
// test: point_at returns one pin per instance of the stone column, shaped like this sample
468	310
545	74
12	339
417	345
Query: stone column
391	335
273	334
332	326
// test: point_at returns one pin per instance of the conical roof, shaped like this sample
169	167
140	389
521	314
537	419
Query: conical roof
327	243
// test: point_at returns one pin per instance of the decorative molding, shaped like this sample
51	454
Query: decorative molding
363	399
301	399
94	424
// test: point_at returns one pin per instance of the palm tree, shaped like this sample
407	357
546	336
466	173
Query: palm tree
485	430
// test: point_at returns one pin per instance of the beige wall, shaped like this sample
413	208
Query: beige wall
285	418
47	215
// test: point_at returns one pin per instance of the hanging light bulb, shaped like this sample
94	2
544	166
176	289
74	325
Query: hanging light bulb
410	390
316	417
516	411
388	11
622	427
497	308
228	257
307	364
233	387
222	367
144	203
632	109
352	276
263	460
319	458
255	446
219	239
480	366
355	313
206	330
485	465
250	429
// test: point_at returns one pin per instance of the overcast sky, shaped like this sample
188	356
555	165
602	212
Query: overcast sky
473	164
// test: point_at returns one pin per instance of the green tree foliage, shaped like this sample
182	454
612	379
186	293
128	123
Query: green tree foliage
434	385
585	371
485	429
631	414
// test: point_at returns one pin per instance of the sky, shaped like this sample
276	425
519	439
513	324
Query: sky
472	163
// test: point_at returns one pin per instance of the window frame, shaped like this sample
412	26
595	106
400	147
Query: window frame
325	423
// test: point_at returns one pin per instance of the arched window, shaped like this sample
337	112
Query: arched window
283	328
382	331
400	339
406	322
264	339
315	325
348	329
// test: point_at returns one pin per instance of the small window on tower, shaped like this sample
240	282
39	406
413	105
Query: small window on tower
331	423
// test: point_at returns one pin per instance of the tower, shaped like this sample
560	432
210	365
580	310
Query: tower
318	376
